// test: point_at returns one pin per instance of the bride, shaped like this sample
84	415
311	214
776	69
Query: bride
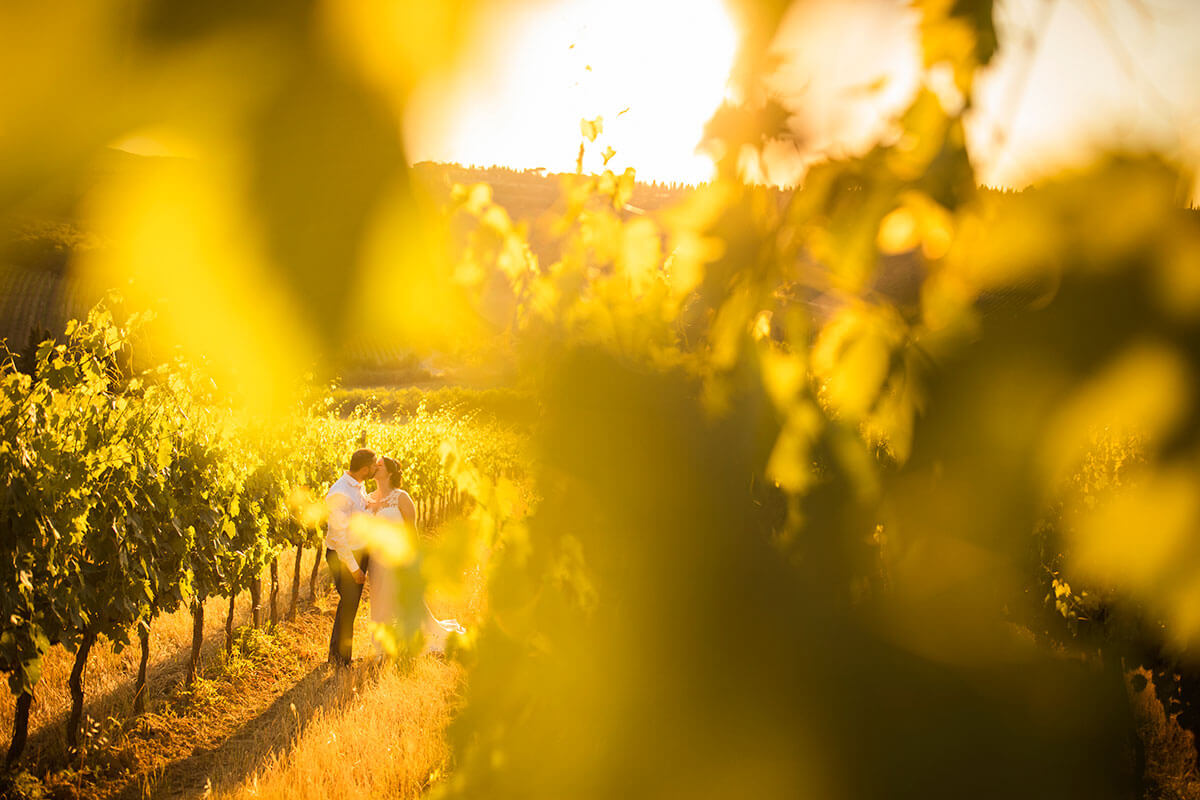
395	589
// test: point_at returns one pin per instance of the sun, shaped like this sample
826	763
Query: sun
653	70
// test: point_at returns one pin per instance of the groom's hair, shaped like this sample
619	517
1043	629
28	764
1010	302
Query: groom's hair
361	458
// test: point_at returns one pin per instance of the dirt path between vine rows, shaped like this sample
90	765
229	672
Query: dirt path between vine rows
246	722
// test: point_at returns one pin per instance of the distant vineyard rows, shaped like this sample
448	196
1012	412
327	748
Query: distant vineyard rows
128	493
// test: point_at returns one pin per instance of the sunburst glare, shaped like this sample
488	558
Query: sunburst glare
653	71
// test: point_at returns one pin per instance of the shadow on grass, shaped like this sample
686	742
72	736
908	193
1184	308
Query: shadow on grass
46	750
240	754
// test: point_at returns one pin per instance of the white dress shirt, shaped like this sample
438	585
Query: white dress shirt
345	499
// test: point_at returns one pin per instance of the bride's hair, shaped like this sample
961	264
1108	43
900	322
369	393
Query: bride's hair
393	470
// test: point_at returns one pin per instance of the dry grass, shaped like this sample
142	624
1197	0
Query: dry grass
237	708
110	675
386	741
267	722
379	731
1170	751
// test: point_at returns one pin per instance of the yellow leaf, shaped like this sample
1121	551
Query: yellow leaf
1145	390
389	542
898	233
591	128
640	254
784	375
1138	539
790	464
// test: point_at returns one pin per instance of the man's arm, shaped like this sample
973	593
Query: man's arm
347	556
340	509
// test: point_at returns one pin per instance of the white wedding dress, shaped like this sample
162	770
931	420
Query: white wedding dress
388	586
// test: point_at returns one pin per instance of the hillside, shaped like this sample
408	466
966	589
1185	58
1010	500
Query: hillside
39	293
528	194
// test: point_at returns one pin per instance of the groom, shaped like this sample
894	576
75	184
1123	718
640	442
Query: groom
344	552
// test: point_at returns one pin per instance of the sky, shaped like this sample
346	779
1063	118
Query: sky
653	71
1100	73
1074	76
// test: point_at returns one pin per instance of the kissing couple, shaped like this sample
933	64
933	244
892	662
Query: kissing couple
351	510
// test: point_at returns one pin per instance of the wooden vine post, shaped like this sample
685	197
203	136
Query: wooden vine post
274	592
76	685
229	625
197	641
296	582
139	690
312	579
20	727
256	602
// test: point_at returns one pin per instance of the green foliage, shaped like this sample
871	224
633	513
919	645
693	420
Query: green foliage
22	785
86	511
792	535
784	551
505	405
126	494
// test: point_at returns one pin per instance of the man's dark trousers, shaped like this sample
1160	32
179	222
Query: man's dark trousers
341	642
